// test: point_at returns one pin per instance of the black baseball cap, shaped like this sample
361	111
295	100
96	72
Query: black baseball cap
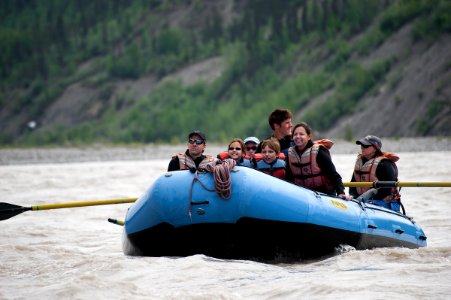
370	140
199	133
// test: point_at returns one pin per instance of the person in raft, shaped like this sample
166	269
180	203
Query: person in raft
280	121
269	161
374	165
251	143
194	158
237	151
309	163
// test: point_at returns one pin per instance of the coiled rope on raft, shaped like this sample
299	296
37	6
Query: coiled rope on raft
223	182
221	174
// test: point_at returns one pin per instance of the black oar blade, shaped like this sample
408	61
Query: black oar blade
10	210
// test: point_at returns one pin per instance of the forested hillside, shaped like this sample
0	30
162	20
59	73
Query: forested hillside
121	71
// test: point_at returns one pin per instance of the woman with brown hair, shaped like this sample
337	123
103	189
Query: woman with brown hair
309	163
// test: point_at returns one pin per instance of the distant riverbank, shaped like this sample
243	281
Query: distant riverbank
13	156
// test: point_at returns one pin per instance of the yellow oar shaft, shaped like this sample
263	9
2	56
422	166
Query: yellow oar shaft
116	221
83	203
397	184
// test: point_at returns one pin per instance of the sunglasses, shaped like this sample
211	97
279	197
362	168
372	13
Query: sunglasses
251	148
236	148
197	142
365	146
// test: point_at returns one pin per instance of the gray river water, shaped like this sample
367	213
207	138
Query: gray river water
75	253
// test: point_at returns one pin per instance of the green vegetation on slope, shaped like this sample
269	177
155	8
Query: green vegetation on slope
278	54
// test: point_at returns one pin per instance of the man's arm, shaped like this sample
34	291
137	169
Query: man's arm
353	189
385	172
174	164
288	173
327	166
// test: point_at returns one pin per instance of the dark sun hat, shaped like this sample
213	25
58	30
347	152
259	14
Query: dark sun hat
199	133
370	140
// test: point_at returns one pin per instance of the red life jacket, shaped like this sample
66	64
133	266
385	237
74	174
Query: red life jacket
225	155
305	168
244	161
276	169
366	172
259	156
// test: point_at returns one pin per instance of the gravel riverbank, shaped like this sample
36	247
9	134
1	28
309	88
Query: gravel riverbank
13	156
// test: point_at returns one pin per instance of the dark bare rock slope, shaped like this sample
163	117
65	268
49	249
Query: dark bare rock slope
417	88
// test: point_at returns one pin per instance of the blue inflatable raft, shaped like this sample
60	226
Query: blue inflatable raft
264	219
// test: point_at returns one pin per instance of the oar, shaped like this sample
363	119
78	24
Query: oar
8	210
390	184
116	221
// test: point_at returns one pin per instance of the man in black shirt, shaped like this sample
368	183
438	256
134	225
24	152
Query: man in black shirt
281	124
193	158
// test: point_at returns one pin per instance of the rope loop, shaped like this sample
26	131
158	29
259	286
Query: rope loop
221	174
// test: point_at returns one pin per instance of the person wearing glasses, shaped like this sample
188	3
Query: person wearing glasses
194	158
309	163
374	165
237	151
251	143
280	121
